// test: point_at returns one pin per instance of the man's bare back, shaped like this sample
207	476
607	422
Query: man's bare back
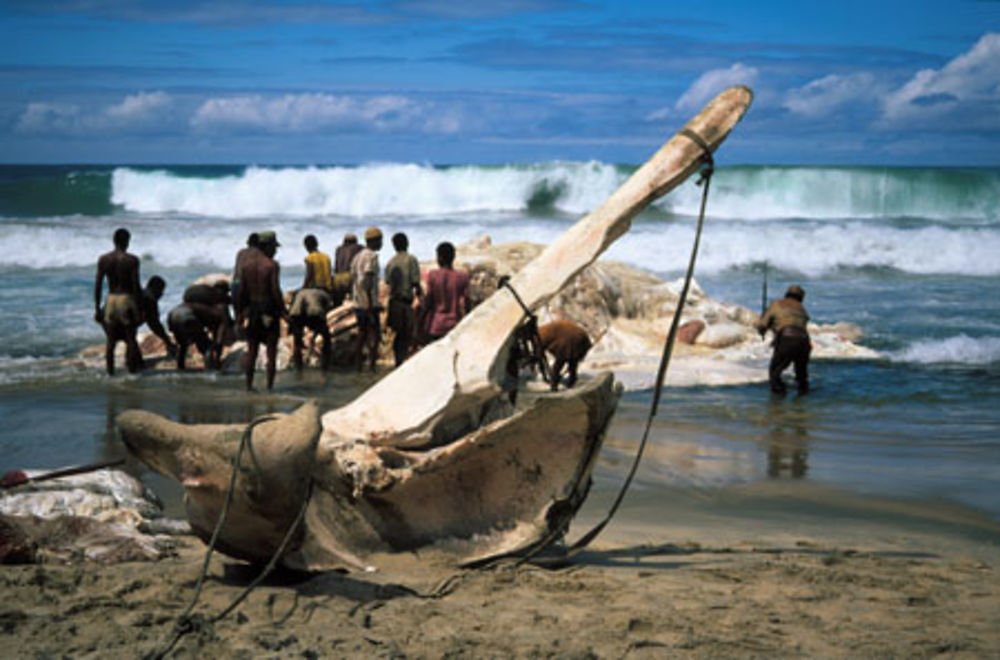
121	315
261	304
121	269
259	281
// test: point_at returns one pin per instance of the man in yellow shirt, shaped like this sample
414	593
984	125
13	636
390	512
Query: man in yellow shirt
312	302
318	273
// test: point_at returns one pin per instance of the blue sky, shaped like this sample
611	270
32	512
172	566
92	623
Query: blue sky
445	81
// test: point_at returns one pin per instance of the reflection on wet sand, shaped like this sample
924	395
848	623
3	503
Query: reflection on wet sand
787	441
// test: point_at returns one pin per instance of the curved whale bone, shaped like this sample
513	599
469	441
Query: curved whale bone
408	409
431	455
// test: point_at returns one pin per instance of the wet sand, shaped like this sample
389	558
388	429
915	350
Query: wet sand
697	564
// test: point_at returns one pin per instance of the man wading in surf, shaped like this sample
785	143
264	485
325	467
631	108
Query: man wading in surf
121	315
787	317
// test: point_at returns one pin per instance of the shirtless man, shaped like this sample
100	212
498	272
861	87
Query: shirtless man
122	313
253	245
206	326
150	303
203	319
568	343
261	305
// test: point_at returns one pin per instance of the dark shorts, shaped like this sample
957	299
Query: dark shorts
263	324
366	319
401	317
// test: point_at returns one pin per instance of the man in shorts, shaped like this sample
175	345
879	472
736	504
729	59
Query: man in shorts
121	314
261	305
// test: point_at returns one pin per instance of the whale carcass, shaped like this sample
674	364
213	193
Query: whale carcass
432	454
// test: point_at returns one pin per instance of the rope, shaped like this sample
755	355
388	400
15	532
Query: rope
187	622
536	340
707	169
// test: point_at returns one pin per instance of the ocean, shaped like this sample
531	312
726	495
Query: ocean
911	255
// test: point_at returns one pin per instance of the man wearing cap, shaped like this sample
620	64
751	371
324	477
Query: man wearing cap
261	304
364	269
788	319
342	258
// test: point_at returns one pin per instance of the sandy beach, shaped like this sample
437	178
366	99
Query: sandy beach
723	548
633	168
708	590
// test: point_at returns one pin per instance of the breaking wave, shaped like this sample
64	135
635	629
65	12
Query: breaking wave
960	349
387	189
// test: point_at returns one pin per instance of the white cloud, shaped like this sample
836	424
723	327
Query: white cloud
142	111
965	90
704	88
712	82
40	118
824	96
302	113
140	108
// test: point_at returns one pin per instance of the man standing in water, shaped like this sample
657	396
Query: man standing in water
788	319
122	313
402	274
364	269
261	304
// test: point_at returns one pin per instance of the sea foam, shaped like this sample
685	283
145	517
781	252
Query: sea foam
959	349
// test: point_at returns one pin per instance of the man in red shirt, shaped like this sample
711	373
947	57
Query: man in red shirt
447	292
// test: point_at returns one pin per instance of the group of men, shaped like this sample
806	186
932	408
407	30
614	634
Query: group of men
203	318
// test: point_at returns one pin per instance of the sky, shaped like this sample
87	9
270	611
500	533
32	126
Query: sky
874	82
